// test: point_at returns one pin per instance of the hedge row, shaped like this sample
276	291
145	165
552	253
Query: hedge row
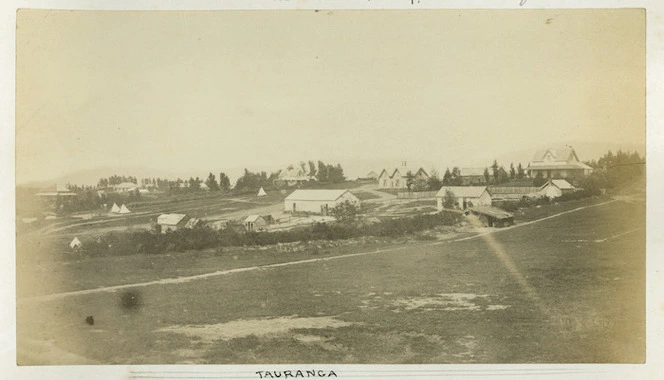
512	206
115	244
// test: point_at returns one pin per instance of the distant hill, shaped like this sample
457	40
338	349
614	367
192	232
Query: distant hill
89	177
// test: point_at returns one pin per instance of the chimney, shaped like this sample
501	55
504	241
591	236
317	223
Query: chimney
403	163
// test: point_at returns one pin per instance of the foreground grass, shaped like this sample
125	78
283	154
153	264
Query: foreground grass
49	270
589	304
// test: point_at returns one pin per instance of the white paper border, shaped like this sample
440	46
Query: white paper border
655	209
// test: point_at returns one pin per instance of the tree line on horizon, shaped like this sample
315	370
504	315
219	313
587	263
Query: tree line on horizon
248	181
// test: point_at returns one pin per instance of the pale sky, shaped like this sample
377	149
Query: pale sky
204	91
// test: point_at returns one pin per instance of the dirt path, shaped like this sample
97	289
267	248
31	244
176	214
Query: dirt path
382	196
179	280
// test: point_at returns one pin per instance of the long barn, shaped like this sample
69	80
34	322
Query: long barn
317	201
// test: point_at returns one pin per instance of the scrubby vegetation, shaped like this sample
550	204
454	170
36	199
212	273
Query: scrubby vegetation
511	206
116	244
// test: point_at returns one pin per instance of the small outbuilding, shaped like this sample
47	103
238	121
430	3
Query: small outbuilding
171	222
193	223
556	187
255	223
493	216
465	196
317	201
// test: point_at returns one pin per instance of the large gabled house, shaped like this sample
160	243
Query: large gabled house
557	163
397	178
293	176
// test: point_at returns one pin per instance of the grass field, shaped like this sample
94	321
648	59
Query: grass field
566	289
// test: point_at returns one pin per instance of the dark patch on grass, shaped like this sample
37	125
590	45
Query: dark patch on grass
131	301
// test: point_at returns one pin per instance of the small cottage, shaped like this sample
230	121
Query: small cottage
255	223
465	196
171	222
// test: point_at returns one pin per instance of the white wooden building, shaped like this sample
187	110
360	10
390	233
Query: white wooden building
555	188
317	201
466	196
397	178
558	163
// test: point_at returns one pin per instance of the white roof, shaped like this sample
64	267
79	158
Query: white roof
252	218
462	191
316	195
124	210
261	192
115	208
126	185
560	183
170	219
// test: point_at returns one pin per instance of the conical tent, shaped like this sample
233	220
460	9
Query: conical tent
75	243
115	209
124	210
261	193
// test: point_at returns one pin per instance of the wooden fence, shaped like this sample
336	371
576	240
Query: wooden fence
416	194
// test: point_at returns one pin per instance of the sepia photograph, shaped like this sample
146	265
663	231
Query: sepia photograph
330	187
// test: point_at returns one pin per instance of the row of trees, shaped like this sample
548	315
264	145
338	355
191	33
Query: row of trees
115	180
224	183
254	181
493	175
327	173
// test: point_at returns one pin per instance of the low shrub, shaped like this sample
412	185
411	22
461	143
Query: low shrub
116	244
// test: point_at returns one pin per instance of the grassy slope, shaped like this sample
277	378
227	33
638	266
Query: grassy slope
592	297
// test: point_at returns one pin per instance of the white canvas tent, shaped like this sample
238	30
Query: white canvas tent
261	193
75	244
115	209
124	210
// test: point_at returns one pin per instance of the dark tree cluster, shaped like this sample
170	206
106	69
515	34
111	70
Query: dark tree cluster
115	180
327	173
613	170
254	181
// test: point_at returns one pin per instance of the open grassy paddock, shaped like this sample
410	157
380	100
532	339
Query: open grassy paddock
565	289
